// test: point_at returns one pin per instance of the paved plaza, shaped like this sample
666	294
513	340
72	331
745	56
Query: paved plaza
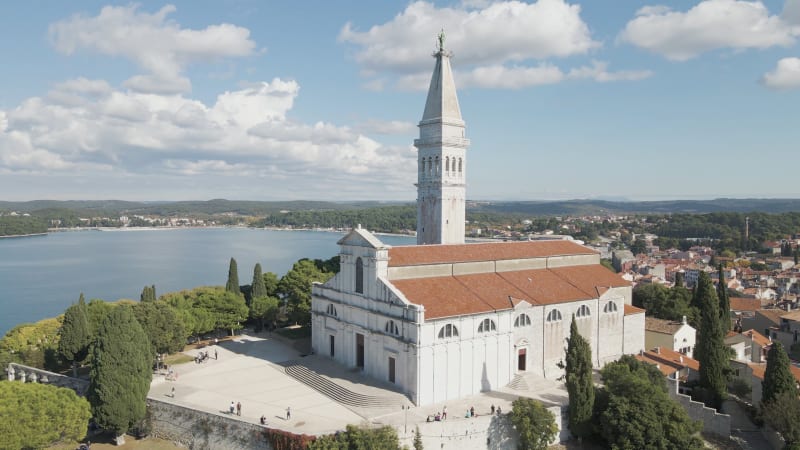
250	370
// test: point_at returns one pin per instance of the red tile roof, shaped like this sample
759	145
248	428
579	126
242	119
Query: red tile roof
669	361
485	292
745	304
414	255
758	338
630	309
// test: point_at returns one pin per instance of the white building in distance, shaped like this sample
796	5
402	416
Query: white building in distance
447	319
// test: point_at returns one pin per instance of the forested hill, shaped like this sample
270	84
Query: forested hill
111	208
599	207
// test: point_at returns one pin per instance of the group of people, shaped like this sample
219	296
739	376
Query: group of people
237	407
203	356
439	416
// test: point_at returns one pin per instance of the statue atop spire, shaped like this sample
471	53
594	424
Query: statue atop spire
441	40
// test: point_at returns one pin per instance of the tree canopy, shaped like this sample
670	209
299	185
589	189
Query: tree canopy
75	334
358	438
535	424
778	378
579	383
258	287
233	278
635	410
164	328
665	303
36	415
711	351
781	414
121	372
296	287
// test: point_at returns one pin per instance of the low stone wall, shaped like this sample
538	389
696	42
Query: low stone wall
713	422
19	372
773	437
475	433
202	430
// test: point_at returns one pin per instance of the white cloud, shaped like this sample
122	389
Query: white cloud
709	25
157	45
785	76
244	132
374	126
497	44
598	71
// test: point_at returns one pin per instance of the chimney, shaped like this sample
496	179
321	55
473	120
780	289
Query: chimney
658	350
681	359
358	227
684	320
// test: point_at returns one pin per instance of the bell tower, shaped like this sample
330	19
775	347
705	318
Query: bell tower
441	159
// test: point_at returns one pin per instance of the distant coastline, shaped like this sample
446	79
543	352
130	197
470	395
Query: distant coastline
9	236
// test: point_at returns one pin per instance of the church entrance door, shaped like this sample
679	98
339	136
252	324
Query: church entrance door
521	360
391	370
333	346
359	350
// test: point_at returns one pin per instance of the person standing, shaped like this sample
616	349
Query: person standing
444	413
232	407
215	355
288	412
238	408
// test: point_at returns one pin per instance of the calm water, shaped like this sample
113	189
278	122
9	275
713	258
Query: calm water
40	276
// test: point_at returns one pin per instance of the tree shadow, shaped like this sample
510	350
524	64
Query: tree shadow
501	434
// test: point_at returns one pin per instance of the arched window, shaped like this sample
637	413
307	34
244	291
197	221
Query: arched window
447	164
331	311
422	165
392	328
459	165
610	307
359	276
447	331
437	168
522	320
583	311
554	316
486	326
430	166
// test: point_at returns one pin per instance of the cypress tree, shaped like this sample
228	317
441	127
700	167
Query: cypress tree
679	279
417	440
148	294
778	376
233	278
121	373
75	335
711	351
259	289
579	382
724	302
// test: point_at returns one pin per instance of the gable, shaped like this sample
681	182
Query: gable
359	237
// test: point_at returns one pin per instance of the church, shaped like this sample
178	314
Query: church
445	319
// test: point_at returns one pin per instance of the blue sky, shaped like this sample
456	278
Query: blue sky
642	100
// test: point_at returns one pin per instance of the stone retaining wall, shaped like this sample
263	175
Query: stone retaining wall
713	422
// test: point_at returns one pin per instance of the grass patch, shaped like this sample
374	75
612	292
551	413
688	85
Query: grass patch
177	358
295	332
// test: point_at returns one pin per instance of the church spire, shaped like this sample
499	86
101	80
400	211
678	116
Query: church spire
442	102
441	157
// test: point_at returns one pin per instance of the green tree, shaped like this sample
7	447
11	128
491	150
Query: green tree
121	373
679	279
227	308
535	424
665	303
778	375
358	438
258	288
605	262
233	278
33	344
710	351
724	302
264	309
781	414
97	310
638	246
635	411
39	415
75	335
163	326
579	383
148	294
296	287
271	281
418	439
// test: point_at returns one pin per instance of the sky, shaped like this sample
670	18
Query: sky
252	100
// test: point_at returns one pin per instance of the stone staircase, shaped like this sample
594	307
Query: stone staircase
340	394
519	383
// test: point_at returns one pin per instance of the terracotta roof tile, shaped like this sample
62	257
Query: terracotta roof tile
669	361
745	304
630	309
758	338
413	255
662	326
759	369
485	292
773	315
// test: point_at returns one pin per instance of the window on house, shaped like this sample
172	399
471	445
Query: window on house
522	320
486	325
610	307
392	328
583	311
554	316
359	276
331	311
447	331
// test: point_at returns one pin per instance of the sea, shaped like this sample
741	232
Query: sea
40	276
